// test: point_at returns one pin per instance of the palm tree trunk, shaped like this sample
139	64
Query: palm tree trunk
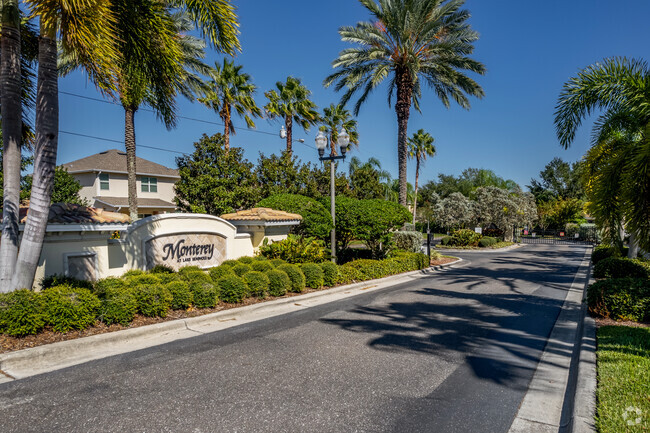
129	143
402	108
47	131
417	174
288	124
332	145
10	100
226	130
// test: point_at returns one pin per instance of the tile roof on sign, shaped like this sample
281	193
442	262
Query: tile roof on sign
142	202
68	213
114	161
262	214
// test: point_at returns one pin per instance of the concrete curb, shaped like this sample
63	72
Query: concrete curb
37	360
483	251
543	409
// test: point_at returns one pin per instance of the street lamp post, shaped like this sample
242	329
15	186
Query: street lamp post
321	143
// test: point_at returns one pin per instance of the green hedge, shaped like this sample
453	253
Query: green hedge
153	300
220	271
261	265
68	308
22	312
245	260
182	296
279	282
118	306
204	295
619	267
232	289
410	241
620	299
258	283
330	273
241	269
371	269
295	275
314	276
487	241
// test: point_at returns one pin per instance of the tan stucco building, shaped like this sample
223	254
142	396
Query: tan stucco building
104	183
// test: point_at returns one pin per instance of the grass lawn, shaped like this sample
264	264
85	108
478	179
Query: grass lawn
623	394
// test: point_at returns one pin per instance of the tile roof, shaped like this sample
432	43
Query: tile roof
262	214
68	213
142	202
114	161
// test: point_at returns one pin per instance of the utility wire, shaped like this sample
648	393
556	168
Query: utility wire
120	141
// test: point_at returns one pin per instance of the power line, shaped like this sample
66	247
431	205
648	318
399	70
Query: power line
209	122
120	141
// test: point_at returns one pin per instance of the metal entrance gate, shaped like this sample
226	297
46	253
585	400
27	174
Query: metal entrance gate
585	235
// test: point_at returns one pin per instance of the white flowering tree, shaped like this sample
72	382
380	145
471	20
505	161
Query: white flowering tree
455	211
504	209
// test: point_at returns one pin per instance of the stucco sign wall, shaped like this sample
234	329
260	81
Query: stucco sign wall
191	249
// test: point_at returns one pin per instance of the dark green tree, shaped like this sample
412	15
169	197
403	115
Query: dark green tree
214	180
317	221
66	188
365	179
558	180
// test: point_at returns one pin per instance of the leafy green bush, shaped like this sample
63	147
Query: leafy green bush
277	262
143	280
133	273
117	306
314	276
204	294
445	240
220	271
62	280
232	288
620	299
279	282
408	241
196	277
296	276
464	238
181	295
294	249
618	267
257	282
316	220
245	260
153	300
22	312
68	308
189	269
101	286
330	273
261	265
602	252
161	269
365	269
348	274
230	263
241	269
168	278
487	241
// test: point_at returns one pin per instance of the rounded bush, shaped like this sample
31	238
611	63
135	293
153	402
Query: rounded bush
260	259
279	282
133	273
153	301
189	269
602	252
487	241
446	240
617	267
181	295
314	276
118	306
261	265
257	282
232	289
245	260
296	276
241	269
196	277
22	312
230	263
408	241
62	280
102	286
143	280
620	299
277	262
464	237
220	271
168	278
161	269
348	274
330	273
205	295
68	308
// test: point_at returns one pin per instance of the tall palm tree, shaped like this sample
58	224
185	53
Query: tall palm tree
231	89
619	160
420	146
410	41
290	101
336	117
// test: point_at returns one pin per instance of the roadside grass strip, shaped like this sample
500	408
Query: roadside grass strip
623	393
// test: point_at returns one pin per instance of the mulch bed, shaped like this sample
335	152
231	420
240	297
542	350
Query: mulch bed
443	261
602	321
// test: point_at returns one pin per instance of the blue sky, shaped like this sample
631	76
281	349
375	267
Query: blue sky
529	48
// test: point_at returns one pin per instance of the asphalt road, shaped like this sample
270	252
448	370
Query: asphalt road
450	352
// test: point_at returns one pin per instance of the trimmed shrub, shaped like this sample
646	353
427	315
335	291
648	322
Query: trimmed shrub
257	282
181	295
277	262
314	276
330	273
241	269
348	274
232	289
196	277
316	219
618	267
220	271
620	299
168	278
410	241
230	263
102	286
295	249
602	252
464	238
62	280
118	306
161	269
245	260
68	308
261	265
22	312
204	294
279	282
143	280
487	241
153	300
296	276
446	240
133	273
189	269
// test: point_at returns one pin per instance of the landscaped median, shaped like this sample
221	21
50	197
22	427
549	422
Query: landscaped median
465	239
67	309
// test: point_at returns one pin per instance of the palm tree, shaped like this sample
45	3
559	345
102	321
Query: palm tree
420	146
336	117
230	89
290	101
410	41
619	161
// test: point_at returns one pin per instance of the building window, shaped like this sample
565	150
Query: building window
149	184
103	181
